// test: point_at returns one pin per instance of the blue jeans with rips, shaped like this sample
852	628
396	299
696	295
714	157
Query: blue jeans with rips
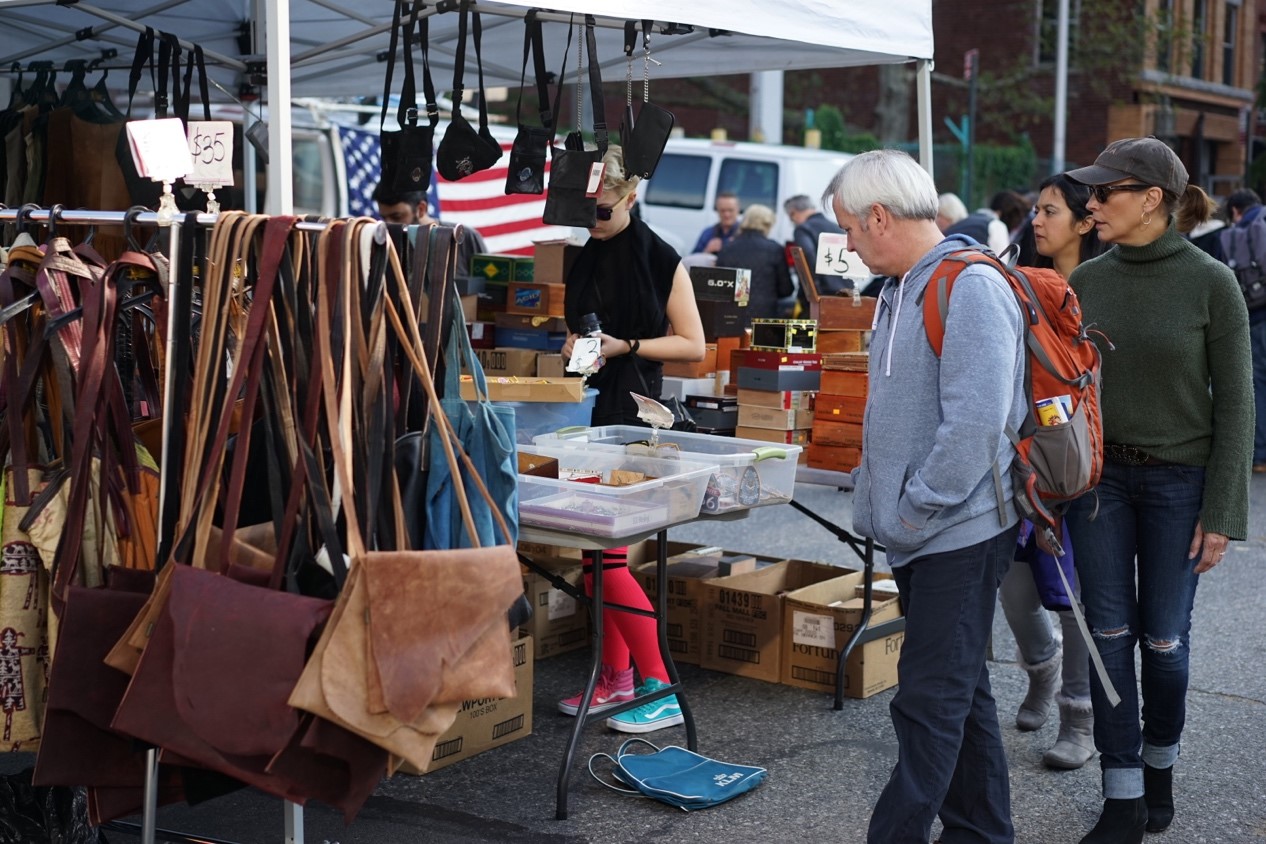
950	759
1138	586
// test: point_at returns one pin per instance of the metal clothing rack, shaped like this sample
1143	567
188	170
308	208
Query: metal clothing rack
147	829
864	548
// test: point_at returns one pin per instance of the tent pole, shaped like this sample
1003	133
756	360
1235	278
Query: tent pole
923	73
280	164
224	60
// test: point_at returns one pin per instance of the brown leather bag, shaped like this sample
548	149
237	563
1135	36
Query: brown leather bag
414	633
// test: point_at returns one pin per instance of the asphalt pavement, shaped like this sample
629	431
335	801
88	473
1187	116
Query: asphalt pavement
826	767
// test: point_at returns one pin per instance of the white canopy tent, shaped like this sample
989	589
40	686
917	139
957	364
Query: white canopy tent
329	48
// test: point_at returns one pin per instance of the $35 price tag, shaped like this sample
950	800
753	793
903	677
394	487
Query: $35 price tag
211	147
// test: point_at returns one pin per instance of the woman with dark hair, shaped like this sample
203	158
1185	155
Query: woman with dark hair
1177	407
1063	235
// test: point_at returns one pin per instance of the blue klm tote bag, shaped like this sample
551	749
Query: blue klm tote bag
677	776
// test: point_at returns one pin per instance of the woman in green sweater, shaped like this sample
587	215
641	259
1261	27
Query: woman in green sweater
1178	432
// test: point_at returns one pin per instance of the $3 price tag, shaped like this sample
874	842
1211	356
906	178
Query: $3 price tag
211	148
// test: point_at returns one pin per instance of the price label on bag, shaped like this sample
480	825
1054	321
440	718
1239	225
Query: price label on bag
812	630
158	149
211	148
834	258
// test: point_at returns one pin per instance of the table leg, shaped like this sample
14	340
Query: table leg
595	602
661	627
868	579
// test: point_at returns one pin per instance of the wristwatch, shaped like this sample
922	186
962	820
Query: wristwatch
634	345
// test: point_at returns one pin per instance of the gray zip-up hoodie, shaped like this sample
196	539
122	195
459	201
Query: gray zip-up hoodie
935	428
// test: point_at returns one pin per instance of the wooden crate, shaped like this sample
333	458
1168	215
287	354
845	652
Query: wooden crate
834	457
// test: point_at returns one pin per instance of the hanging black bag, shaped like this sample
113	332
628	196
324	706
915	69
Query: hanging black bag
569	202
645	141
526	173
464	152
406	153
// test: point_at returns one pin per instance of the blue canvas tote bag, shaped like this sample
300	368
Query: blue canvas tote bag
677	776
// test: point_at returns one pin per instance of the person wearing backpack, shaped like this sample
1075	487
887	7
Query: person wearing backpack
1244	250
1064	235
1178	428
934	487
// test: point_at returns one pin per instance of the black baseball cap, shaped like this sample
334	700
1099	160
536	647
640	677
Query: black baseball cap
1149	160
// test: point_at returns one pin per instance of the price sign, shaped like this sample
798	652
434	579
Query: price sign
158	149
834	258
211	148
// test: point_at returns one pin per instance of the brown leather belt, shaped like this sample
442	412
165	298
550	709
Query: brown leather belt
1130	455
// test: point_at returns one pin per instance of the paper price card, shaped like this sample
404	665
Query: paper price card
815	631
561	605
834	257
211	148
159	149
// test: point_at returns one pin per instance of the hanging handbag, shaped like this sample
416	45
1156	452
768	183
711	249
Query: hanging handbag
569	200
644	144
526	172
406	152
464	151
677	776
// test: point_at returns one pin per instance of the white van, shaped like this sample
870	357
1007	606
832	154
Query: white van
678	201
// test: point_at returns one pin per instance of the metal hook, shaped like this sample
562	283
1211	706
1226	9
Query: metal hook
53	214
129	220
23	219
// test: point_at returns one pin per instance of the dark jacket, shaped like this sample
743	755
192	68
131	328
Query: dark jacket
771	280
806	237
975	226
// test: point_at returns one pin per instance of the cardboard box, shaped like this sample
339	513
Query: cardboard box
682	387
838	383
722	319
535	298
694	369
799	436
554	260
779	380
531	338
686	576
520	362
769	417
559	622
833	342
784	400
481	335
489	722
833	408
826	432
743	617
523	322
722	284
836	312
550	365
814	630
541	549
835	458
536	389
493	267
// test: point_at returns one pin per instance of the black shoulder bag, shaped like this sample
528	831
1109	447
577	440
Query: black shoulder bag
566	201
526	173
406	152
645	141
464	152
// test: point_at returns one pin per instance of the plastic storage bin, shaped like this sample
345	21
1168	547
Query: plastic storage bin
750	473
532	418
594	509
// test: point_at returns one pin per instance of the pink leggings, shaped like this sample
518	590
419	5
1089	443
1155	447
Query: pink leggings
625	634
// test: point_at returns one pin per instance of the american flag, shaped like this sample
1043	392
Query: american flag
509	224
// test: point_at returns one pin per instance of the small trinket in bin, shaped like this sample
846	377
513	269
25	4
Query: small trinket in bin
586	353
654	414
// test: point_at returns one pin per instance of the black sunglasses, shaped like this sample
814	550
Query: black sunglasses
1102	192
604	213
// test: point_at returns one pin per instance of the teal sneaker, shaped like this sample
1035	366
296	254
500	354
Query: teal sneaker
655	715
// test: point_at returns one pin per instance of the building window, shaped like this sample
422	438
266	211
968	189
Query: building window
1230	37
1164	34
1199	33
1048	30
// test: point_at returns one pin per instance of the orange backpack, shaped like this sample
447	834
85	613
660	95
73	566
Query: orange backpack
1059	447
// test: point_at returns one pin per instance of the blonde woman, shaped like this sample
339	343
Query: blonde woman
753	250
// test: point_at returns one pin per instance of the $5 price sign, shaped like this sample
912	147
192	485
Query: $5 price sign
834	257
211	147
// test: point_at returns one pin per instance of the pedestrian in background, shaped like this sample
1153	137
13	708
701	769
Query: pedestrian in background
1244	208
767	260
1178	428
934	442
949	210
726	228
811	224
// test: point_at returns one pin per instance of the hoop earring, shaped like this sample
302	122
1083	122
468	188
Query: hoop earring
1146	218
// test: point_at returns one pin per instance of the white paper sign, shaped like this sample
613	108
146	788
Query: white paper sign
159	149
561	605
834	258
811	630
211	147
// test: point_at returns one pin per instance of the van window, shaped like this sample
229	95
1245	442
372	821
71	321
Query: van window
752	181
310	151
681	181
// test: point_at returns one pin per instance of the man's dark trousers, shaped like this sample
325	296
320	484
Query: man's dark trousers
950	758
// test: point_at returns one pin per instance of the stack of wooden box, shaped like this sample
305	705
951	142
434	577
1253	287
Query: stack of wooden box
775	395
721	294
837	423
